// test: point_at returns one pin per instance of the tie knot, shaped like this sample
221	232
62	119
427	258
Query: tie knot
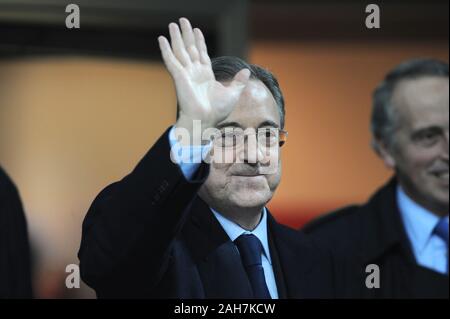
250	249
441	229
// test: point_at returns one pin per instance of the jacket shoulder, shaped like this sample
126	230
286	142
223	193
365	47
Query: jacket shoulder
4	179
7	187
338	228
336	219
348	222
300	240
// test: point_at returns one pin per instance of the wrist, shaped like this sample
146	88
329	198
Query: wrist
192	131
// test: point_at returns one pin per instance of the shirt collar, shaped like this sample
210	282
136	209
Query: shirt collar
233	230
419	222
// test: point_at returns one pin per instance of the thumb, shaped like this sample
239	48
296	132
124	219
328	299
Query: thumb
241	78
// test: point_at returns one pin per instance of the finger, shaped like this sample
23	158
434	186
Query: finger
171	62
178	45
189	39
201	46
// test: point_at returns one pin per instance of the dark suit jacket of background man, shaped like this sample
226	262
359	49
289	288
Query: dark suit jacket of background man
15	273
151	236
374	234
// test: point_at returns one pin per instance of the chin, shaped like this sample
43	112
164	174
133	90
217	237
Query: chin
442	198
250	199
438	191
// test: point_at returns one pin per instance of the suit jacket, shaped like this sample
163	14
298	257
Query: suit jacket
151	236
374	234
15	270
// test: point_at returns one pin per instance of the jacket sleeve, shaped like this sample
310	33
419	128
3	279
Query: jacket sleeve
130	227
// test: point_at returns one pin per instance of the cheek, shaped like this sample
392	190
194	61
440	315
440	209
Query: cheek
218	177
420	158
271	162
274	180
220	169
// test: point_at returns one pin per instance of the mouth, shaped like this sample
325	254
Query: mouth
247	175
441	175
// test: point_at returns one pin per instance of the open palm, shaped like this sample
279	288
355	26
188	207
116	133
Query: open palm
200	96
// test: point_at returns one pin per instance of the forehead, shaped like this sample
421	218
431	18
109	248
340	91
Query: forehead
256	105
423	102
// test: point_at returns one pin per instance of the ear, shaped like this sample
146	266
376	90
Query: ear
385	153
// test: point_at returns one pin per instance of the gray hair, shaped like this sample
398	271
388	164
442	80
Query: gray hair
226	67
384	118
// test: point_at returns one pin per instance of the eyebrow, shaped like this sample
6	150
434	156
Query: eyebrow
229	124
269	123
433	129
236	124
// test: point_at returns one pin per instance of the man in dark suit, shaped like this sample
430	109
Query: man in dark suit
15	273
190	220
403	229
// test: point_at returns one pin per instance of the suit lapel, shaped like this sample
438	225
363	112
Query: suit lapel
383	228
277	269
218	261
386	242
220	266
295	263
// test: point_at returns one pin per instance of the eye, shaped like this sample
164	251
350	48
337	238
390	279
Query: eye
427	138
228	139
268	136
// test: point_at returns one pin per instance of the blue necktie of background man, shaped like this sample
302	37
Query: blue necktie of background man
441	230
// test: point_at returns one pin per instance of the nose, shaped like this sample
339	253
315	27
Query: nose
251	153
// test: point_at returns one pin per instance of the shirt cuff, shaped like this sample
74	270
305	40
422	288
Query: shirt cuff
188	158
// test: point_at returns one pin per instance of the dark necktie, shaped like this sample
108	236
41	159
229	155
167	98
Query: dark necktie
250	249
441	230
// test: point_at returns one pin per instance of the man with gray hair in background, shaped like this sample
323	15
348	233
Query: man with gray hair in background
396	245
